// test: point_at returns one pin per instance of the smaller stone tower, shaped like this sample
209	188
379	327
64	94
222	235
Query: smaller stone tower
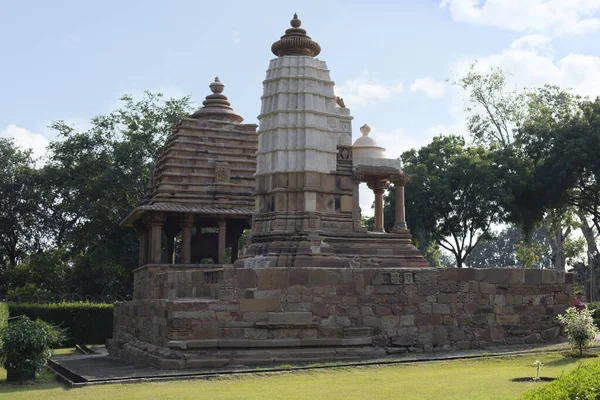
203	182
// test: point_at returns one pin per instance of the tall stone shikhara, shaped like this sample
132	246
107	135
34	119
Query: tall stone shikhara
307	179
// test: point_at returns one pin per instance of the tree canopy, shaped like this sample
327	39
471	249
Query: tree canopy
75	202
454	194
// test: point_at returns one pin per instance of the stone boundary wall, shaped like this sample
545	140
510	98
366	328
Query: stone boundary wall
218	308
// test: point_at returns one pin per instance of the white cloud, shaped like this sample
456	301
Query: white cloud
533	66
26	139
538	43
528	62
236	39
432	88
558	17
364	91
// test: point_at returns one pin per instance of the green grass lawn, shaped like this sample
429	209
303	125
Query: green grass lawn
459	379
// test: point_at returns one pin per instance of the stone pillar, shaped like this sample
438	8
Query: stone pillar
356	214
186	239
378	188
156	224
170	249
378	210
143	256
399	182
222	240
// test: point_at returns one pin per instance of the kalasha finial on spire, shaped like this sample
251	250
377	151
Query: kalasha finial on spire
296	42
295	22
216	86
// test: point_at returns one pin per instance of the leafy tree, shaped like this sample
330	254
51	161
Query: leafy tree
44	274
369	223
562	138
495	111
453	197
497	116
528	253
500	251
94	178
20	210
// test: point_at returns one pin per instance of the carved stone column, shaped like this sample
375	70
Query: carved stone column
143	255
156	224
399	182
378	187
222	240
186	238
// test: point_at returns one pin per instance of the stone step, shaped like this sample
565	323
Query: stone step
270	343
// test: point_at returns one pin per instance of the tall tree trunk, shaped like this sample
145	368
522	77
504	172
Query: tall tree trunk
588	233
555	244
557	239
559	254
592	251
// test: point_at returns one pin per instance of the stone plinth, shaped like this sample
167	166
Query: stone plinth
215	316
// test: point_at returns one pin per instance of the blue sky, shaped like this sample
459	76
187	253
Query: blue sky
72	60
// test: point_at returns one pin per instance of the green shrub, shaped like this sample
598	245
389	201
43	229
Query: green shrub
3	314
85	323
580	328
595	308
581	383
28	293
26	346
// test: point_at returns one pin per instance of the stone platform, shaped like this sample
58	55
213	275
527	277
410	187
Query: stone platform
216	316
339	250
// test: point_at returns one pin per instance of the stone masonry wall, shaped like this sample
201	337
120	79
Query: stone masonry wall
424	309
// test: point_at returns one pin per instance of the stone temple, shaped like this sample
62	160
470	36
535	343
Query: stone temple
311	284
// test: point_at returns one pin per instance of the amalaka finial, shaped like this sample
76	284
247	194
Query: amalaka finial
296	42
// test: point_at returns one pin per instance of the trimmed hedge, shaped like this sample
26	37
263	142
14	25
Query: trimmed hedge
581	383
85	323
3	314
